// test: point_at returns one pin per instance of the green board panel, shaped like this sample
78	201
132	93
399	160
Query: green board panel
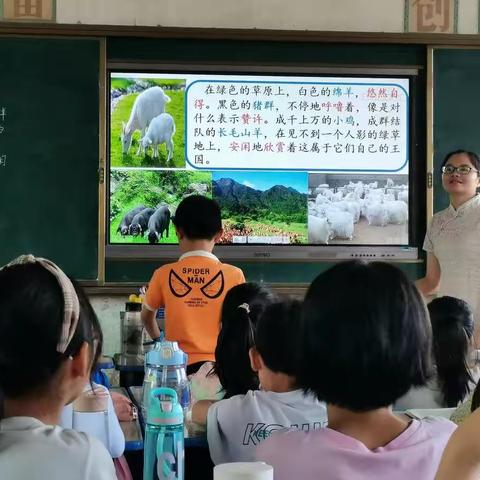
49	89
456	105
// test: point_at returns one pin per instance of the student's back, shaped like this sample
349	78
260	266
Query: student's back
235	426
30	449
327	454
193	288
50	338
360	356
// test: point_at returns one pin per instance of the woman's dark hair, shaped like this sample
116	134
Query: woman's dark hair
365	338
276	336
452	327
31	317
232	362
475	398
473	157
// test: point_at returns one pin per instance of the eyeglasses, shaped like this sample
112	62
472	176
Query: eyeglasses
462	169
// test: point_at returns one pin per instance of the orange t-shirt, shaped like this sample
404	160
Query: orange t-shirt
192	291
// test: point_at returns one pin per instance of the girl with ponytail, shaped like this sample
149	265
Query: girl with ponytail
231	373
453	328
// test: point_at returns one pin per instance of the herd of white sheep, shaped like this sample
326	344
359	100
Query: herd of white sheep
333	214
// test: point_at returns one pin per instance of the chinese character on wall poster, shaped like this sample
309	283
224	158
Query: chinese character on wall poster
27	10
431	16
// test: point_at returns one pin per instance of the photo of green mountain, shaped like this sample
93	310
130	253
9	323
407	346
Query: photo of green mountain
262	204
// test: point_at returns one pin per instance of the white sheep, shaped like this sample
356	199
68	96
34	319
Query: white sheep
147	106
397	212
336	197
403	196
389	197
353	208
321	199
341	223
377	214
319	230
160	130
322	187
390	183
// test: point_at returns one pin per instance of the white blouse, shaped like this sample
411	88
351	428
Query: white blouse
454	238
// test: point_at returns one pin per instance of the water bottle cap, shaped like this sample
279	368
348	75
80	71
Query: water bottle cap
166	353
164	407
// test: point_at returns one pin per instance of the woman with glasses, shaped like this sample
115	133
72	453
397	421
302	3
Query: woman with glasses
452	242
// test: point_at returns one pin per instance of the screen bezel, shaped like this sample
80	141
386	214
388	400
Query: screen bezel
267	252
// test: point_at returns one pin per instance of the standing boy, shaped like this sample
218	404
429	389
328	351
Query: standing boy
193	288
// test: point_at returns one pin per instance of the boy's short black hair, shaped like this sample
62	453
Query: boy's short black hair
276	336
365	337
198	217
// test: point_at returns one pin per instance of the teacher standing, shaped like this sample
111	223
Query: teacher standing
452	242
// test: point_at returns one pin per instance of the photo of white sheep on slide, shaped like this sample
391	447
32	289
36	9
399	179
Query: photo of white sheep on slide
360	210
147	122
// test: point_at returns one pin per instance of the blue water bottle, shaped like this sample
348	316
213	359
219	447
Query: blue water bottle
164	445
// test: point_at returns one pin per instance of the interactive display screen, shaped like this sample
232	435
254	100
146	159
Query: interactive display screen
292	160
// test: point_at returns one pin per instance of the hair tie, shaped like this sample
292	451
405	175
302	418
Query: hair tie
71	311
245	306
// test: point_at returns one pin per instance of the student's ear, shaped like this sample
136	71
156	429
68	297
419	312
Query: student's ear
179	233
256	362
81	362
218	236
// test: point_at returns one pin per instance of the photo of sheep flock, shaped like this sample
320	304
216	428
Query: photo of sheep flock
358	209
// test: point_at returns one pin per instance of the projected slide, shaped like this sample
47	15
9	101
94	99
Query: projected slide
292	160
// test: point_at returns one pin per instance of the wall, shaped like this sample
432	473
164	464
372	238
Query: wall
322	15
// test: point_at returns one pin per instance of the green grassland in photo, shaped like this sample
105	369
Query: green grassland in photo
133	188
175	89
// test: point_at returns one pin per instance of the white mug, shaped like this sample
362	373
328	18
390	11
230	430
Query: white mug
243	471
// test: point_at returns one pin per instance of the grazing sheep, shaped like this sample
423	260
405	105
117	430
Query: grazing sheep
403	196
321	199
160	130
147	106
397	212
341	224
319	230
336	197
377	215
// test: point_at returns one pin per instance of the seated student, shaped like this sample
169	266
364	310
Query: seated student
193	288
49	336
452	327
236	425
231	373
365	342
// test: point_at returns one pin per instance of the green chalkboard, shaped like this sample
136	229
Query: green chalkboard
456	104
49	145
121	51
